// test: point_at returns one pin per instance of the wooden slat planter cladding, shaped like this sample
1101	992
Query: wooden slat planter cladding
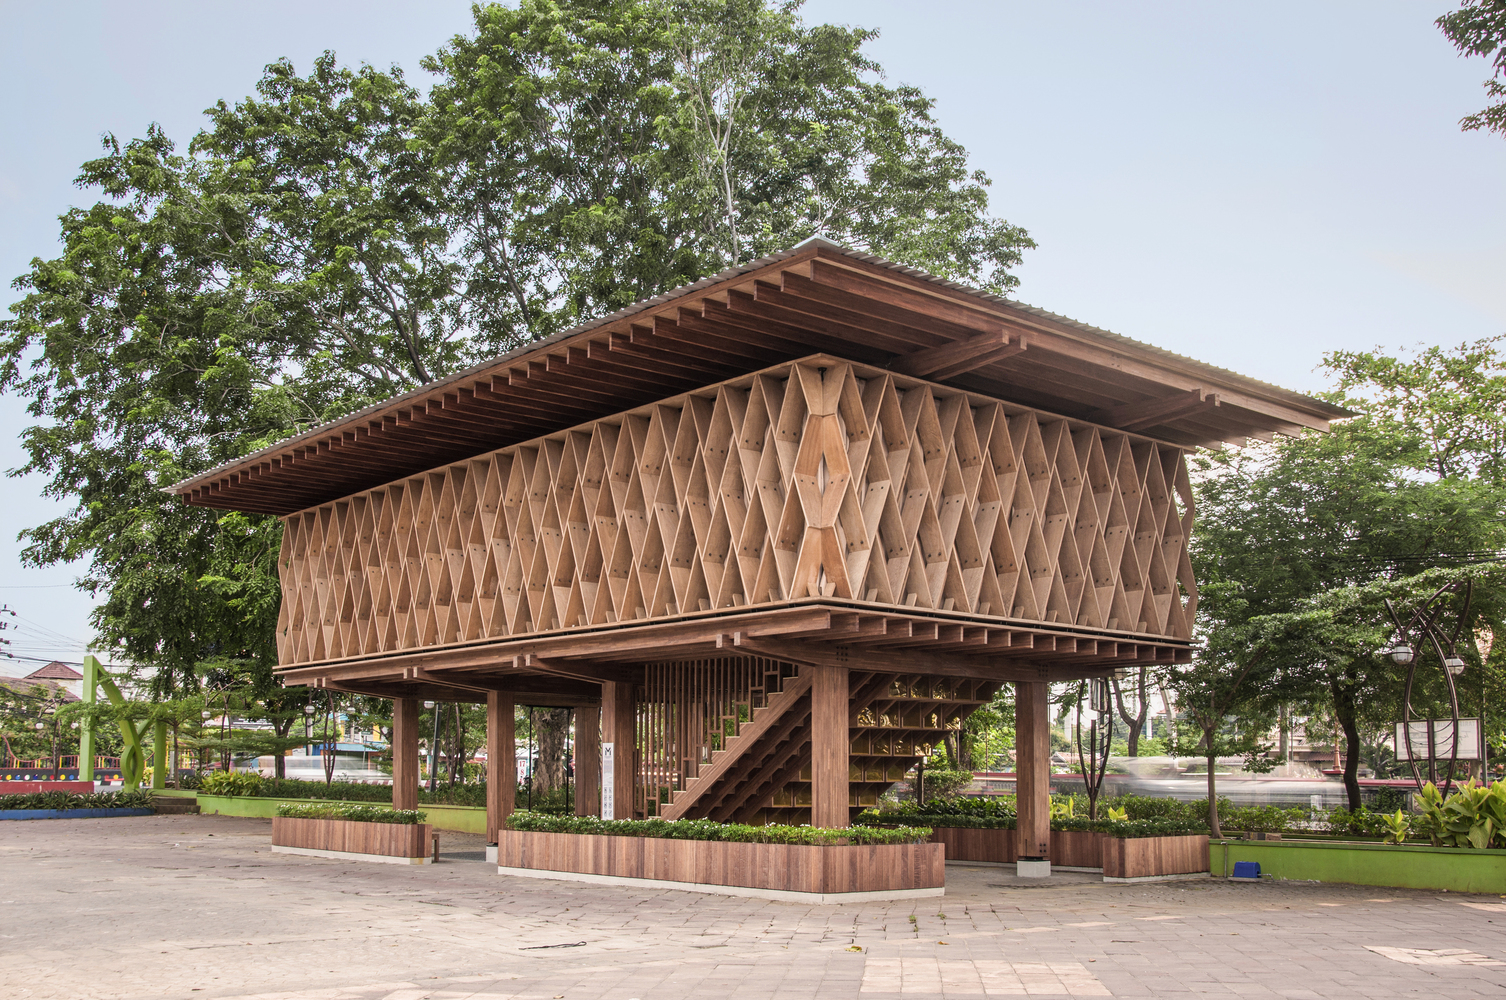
1119	857
1146	857
779	867
965	844
392	840
1068	849
1076	849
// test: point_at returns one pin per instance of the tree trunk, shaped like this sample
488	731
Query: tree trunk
1136	723
279	760
1284	714
1344	711
1209	737
553	726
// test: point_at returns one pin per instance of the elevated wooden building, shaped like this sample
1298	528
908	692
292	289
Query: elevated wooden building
778	531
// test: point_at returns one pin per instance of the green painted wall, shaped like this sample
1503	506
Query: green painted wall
1403	867
461	819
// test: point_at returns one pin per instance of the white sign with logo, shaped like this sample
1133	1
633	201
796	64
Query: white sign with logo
608	769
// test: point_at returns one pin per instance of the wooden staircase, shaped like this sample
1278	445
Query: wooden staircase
762	772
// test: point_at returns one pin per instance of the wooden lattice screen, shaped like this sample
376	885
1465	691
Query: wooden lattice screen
807	480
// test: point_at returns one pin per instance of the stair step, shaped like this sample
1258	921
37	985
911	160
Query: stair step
166	805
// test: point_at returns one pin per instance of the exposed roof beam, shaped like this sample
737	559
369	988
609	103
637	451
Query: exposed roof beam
1149	412
950	360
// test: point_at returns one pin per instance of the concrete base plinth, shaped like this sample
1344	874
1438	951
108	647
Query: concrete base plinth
385	859
1032	869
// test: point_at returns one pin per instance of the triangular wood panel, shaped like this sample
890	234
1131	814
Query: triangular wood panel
814	480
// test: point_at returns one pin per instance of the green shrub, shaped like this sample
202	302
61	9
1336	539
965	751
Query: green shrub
344	791
1398	825
78	800
190	780
941	783
353	813
354	791
232	783
705	829
1473	816
1359	823
874	817
1261	819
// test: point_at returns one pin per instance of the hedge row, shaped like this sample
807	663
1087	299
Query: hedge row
250	783
356	814
705	829
77	800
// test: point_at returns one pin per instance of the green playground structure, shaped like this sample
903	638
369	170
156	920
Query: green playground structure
133	756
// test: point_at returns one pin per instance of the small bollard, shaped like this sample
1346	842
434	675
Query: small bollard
435	835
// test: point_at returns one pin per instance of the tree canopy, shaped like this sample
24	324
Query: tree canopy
341	236
1478	28
1413	484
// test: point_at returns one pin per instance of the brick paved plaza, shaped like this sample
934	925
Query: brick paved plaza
197	906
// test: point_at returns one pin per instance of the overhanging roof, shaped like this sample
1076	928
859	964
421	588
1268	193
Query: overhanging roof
816	297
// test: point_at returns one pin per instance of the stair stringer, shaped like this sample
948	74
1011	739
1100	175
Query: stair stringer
685	802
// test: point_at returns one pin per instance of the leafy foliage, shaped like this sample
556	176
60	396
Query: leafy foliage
347	811
1398	826
1474	816
1478	28
232	783
705	829
130	799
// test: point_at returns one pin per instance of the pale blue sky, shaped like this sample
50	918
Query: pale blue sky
1249	185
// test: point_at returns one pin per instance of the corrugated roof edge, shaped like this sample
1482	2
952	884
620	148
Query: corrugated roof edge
802	248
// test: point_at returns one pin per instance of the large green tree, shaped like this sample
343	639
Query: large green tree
1413	482
340	237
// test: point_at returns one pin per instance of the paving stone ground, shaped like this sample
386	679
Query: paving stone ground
198	906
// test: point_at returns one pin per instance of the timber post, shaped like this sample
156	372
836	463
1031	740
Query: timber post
501	761
829	747
405	753
617	733
588	760
1032	740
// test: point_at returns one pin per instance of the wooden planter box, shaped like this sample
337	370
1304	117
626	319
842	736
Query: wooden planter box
394	843
1076	849
1068	849
775	871
1154	857
995	847
1117	858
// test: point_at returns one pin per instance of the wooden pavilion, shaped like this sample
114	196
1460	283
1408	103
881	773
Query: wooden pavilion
771	535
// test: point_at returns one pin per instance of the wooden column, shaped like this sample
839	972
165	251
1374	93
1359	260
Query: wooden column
588	760
617	728
405	753
830	746
501	762
1032	750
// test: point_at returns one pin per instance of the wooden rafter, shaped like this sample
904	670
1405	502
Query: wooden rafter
1150	412
950	360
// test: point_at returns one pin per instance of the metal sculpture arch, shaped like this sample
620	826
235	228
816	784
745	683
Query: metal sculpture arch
1422	625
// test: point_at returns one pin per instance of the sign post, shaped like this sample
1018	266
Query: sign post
608	771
